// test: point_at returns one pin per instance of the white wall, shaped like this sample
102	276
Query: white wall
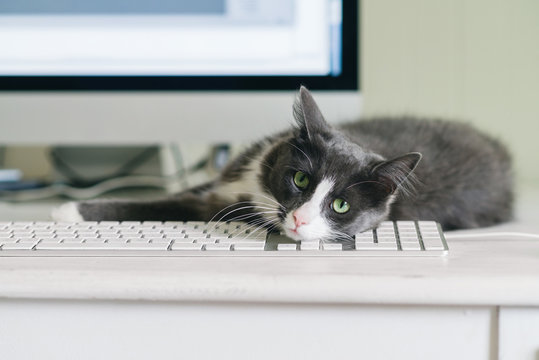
475	60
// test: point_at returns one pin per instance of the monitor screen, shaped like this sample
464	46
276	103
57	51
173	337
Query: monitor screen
178	45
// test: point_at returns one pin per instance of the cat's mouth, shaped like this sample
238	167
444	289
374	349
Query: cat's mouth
292	233
299	234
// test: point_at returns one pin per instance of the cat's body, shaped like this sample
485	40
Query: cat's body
316	181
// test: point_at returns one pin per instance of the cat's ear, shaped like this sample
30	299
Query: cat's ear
397	173
308	115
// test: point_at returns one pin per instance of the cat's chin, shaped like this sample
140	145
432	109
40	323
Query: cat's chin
298	236
293	235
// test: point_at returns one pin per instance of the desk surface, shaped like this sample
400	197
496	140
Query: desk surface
484	270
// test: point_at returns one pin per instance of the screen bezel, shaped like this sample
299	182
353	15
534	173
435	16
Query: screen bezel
348	79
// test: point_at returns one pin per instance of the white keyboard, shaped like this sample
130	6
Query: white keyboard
401	238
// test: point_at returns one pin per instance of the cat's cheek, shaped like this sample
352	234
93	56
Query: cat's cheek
317	230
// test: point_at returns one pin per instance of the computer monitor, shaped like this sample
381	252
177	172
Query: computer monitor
132	71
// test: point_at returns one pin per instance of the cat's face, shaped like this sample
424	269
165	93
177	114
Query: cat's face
324	190
327	186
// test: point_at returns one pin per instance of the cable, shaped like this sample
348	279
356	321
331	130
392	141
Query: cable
61	189
136	161
87	192
492	234
181	171
81	189
3	150
77	180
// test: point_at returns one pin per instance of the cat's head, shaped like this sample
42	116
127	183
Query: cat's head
327	185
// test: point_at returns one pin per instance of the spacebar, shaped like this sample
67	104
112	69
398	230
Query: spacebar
100	246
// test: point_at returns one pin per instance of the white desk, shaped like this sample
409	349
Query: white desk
480	302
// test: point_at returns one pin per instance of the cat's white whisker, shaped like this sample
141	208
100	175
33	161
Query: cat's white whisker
340	235
303	152
259	194
364	182
239	209
261	224
268	206
259	161
250	215
263	205
263	220
230	212
225	208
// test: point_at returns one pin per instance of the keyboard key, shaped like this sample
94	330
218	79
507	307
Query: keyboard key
223	238
92	240
261	235
155	238
18	246
87	234
204	240
386	239
43	233
186	246
152	232
65	233
377	246
410	246
174	223
217	247
388	231
22	233
129	232
365	237
240	241
310	245
110	236
406	224
332	246
59	246
408	238
427	224
249	246
152	223
196	224
137	246
172	232
196	232
181	240
432	243
109	223
161	241
130	223
51	240
68	240
287	247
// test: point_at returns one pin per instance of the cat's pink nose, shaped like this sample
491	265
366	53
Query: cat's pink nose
299	219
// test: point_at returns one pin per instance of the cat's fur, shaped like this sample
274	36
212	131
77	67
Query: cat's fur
385	168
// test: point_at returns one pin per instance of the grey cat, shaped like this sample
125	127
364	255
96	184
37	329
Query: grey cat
316	181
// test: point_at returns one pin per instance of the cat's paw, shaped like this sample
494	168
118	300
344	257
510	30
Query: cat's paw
67	212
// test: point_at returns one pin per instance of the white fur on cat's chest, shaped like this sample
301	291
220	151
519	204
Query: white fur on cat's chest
248	186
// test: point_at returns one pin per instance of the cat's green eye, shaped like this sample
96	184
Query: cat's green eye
340	206
301	180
